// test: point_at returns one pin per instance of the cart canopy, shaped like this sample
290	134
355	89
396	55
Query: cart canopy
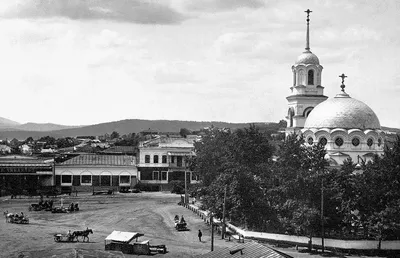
123	237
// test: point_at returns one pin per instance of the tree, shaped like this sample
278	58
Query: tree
184	132
114	135
236	160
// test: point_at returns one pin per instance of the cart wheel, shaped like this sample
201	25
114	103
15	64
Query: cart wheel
56	239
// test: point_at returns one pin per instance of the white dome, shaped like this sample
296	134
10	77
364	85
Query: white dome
342	112
307	58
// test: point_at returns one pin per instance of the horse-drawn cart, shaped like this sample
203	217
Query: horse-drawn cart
64	238
19	220
180	224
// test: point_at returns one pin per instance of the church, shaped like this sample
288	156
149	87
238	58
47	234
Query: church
347	127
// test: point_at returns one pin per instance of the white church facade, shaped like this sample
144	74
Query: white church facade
348	128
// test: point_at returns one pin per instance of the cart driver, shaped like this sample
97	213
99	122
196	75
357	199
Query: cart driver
182	219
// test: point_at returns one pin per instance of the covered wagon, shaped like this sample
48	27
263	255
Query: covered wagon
128	243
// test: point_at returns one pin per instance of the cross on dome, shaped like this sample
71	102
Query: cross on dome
308	11
342	76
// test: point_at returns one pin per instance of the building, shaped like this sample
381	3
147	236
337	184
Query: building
347	127
163	159
249	249
87	172
19	173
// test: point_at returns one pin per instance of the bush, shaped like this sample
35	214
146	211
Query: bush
177	186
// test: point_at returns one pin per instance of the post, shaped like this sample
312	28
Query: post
186	199
223	216
212	232
322	216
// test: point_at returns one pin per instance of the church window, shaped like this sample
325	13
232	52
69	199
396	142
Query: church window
323	141
310	77
310	140
379	141
355	141
339	141
370	142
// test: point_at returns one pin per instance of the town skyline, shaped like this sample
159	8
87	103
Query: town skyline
84	63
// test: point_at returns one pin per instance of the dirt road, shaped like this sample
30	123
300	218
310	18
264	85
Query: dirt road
148	213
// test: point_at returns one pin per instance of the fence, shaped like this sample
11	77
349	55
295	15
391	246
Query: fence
333	244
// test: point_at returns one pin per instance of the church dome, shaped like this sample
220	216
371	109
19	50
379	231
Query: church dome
344	112
307	58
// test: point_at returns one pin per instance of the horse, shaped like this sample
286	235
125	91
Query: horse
8	216
83	233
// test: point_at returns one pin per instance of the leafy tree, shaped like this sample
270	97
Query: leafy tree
184	132
235	160
114	135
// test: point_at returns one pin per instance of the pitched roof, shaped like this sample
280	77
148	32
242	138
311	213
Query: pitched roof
247	250
103	160
120	149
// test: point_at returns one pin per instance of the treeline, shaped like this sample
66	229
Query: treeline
279	189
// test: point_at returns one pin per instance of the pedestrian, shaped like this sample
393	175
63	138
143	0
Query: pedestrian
200	235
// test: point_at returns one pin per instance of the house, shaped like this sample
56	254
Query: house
164	159
87	172
25	149
4	149
19	172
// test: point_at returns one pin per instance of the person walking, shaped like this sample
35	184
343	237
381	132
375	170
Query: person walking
200	235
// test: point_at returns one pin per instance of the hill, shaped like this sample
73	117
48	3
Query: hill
7	123
125	127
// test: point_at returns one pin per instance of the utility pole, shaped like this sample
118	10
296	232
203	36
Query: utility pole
212	231
322	216
223	216
186	199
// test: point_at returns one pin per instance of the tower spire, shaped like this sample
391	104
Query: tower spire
308	30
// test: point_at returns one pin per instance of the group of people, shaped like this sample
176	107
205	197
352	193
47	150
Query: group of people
180	220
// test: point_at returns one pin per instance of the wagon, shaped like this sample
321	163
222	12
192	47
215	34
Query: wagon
64	238
19	220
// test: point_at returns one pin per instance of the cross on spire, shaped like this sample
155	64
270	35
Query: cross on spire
308	11
342	76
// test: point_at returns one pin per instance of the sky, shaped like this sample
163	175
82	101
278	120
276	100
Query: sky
76	62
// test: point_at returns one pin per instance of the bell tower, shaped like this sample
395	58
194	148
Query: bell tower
306	91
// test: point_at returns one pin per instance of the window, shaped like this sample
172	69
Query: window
156	175
310	77
323	141
339	141
179	161
66	179
164	158
194	176
310	140
124	180
86	179
147	159
370	142
164	175
355	141
155	158
379	141
172	159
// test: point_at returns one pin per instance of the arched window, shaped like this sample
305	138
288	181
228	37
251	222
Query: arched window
310	77
307	111
290	116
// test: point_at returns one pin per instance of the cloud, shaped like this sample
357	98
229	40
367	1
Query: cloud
221	5
134	11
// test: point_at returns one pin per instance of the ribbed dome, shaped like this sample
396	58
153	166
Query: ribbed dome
342	112
307	58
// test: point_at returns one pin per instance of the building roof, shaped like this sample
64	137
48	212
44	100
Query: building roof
120	149
123	237
344	112
103	160
247	250
19	160
307	57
